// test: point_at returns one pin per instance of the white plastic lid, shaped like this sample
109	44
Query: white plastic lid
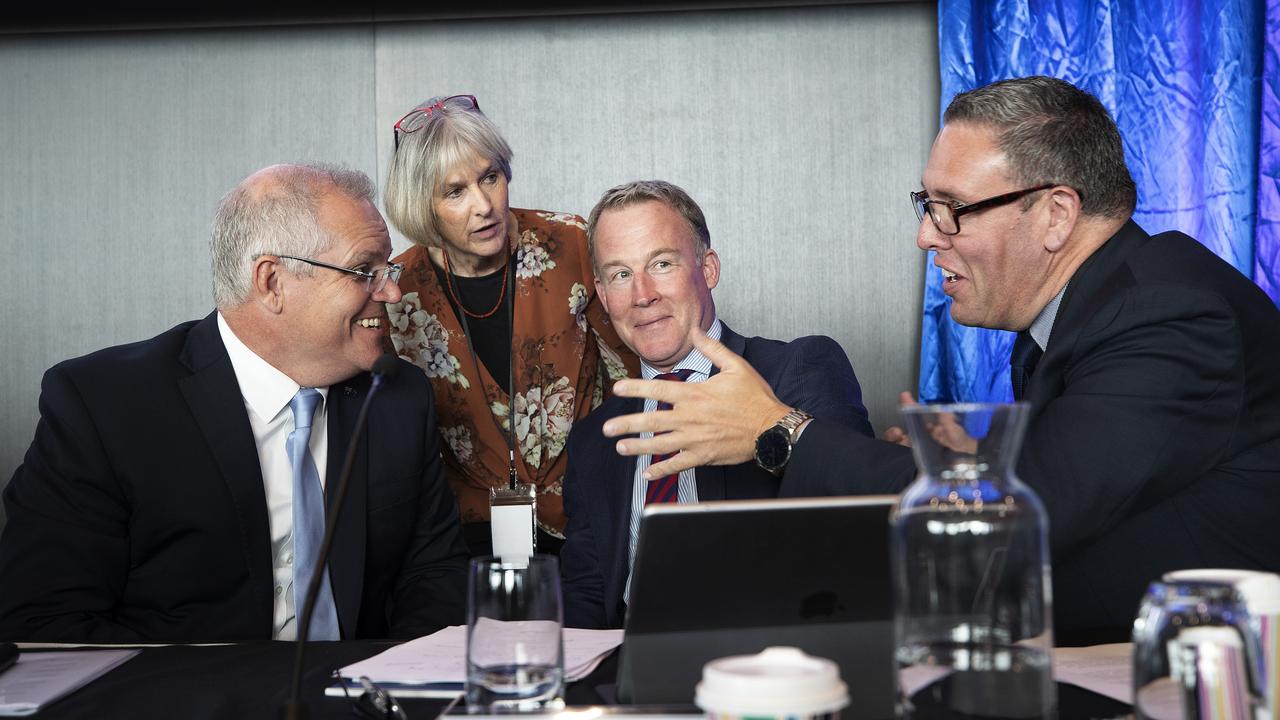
778	681
1261	590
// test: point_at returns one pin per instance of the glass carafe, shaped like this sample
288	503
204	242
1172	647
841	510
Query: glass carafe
971	570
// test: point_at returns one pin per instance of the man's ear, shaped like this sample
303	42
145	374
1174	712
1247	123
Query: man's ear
1064	213
267	287
711	269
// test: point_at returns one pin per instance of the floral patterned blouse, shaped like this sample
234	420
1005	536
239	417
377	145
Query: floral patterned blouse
566	354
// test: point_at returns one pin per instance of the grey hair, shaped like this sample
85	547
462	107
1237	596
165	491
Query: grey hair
639	191
1053	132
418	168
275	216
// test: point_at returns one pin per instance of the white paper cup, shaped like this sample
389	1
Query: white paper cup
780	682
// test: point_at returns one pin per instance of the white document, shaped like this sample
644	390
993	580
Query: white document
441	657
534	642
39	678
1104	669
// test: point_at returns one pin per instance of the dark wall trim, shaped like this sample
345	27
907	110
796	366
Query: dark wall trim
41	16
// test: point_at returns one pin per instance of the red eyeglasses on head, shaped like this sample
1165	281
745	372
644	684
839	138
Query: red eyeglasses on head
417	118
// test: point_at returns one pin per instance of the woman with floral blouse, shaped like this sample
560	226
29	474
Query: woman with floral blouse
499	310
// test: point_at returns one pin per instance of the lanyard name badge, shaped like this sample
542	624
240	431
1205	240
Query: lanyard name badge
513	513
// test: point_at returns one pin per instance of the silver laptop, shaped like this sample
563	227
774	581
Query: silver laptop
734	577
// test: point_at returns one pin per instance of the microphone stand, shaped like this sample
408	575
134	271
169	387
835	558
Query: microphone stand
386	367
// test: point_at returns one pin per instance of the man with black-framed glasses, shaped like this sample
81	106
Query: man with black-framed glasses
177	488
1148	362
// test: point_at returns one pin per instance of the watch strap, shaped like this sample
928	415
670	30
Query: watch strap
793	420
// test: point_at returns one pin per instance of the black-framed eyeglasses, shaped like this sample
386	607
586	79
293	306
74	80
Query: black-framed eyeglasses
946	213
373	702
417	118
374	280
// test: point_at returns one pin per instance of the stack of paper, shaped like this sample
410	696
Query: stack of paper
436	665
40	678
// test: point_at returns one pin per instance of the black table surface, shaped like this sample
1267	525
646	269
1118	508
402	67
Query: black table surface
251	680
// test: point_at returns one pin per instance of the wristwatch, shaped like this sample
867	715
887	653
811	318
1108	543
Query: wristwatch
773	446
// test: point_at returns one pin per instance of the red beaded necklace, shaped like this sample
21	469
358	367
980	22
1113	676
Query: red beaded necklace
448	284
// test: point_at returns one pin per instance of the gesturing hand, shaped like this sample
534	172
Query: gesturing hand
710	423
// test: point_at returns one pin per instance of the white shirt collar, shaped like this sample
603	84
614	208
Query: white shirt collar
694	361
266	390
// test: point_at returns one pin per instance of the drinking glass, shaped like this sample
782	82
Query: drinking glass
1191	644
515	654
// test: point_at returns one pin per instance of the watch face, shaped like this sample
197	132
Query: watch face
773	448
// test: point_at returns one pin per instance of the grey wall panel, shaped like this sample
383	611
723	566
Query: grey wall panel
798	129
800	133
116	149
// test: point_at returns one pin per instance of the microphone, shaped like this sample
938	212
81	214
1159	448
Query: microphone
385	369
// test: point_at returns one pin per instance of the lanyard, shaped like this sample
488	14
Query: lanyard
513	477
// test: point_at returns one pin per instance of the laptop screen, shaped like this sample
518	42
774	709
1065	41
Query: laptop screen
734	577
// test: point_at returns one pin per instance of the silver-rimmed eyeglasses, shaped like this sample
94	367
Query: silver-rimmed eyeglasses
374	280
417	118
946	213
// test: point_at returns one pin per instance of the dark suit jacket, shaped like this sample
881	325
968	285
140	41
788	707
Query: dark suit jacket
140	514
811	373
1154	440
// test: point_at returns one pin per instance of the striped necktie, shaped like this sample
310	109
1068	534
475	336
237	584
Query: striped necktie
308	521
665	489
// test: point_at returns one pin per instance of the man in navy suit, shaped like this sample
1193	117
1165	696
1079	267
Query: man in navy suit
158	501
1149	363
655	271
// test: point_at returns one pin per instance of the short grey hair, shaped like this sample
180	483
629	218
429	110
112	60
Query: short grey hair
450	135
640	191
276	215
1053	132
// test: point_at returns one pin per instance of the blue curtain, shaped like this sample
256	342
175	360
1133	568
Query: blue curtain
1195	89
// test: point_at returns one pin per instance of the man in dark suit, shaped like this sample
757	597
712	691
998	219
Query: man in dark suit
655	271
166	493
1149	363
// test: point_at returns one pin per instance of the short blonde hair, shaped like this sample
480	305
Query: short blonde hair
450	135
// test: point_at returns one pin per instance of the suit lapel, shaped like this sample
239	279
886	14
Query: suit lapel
1090	285
711	478
619	473
733	341
212	393
346	560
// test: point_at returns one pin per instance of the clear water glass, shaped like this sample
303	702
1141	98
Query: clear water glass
515	652
973	613
1191	654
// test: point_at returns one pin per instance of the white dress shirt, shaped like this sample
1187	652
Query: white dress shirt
267	392
701	368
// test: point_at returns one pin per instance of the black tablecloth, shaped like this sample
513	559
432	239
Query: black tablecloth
249	681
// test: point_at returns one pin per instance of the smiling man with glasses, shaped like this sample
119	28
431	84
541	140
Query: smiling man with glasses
1148	362
176	487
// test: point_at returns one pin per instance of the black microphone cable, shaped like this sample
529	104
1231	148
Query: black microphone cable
384	370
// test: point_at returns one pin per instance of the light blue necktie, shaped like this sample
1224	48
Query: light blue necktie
308	521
